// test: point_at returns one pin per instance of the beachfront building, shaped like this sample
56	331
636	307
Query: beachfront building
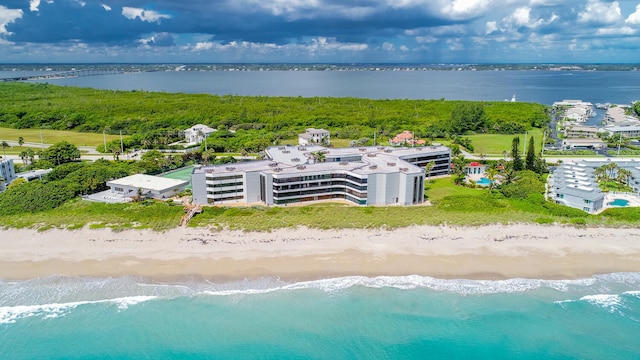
7	172
197	133
580	131
147	186
315	137
406	138
575	184
297	174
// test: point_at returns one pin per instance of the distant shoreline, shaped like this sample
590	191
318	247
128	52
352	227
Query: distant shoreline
475	252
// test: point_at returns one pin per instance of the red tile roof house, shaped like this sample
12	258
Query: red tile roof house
475	168
405	138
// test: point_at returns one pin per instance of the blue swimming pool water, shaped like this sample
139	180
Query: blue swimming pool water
618	202
483	182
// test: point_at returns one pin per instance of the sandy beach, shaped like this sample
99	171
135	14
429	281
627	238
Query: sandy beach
486	252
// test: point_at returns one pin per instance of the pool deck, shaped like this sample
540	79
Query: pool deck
634	201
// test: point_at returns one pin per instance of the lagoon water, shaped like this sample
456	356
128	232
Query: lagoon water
410	317
621	87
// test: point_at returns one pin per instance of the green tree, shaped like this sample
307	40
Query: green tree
467	116
20	141
4	146
60	153
427	169
491	174
516	160
530	161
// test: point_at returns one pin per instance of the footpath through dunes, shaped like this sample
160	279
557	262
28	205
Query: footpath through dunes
484	252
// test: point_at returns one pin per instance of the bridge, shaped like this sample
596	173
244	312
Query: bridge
64	74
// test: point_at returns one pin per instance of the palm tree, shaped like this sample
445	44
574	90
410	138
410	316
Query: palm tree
623	176
491	174
427	169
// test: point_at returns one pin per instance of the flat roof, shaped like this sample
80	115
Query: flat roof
287	160
148	182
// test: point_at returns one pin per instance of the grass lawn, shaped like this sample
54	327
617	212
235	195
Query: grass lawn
54	136
495	144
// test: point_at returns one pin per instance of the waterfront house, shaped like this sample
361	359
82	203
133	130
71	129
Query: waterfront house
147	186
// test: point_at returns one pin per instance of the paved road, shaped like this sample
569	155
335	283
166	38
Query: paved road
87	149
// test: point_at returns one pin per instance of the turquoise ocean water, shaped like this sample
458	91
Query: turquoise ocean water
411	317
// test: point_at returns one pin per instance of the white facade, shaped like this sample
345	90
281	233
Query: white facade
147	185
315	137
364	176
197	133
7	172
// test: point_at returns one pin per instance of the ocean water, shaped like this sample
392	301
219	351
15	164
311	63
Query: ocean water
545	87
410	317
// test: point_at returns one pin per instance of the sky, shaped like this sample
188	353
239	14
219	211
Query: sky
320	31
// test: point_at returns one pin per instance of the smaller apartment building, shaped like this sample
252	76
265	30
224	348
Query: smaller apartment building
364	176
575	185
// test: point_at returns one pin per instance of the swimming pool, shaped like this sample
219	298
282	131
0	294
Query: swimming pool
483	181
618	202
180	174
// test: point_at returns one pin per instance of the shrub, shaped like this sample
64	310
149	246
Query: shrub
544	220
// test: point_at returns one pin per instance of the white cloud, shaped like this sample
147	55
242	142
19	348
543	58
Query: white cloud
203	46
491	27
464	9
387	46
426	39
33	5
143	15
455	45
106	7
8	16
600	13
624	30
635	17
404	48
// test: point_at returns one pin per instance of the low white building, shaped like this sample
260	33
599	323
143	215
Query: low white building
147	185
583	143
580	131
315	137
197	133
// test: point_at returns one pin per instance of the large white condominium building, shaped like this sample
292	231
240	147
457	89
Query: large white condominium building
297	174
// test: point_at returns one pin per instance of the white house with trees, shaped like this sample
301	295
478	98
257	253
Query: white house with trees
315	137
197	133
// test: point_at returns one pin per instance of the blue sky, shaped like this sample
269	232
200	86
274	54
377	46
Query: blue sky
291	31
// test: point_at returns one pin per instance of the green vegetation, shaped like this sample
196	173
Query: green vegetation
52	136
154	119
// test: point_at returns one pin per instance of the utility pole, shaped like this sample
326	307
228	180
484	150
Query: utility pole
544	135
121	145
104	137
619	143
41	141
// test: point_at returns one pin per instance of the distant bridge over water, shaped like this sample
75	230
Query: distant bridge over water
64	74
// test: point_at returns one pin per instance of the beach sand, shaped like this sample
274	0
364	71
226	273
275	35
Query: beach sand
484	252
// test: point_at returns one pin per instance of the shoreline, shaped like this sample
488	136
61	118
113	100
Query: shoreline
491	252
